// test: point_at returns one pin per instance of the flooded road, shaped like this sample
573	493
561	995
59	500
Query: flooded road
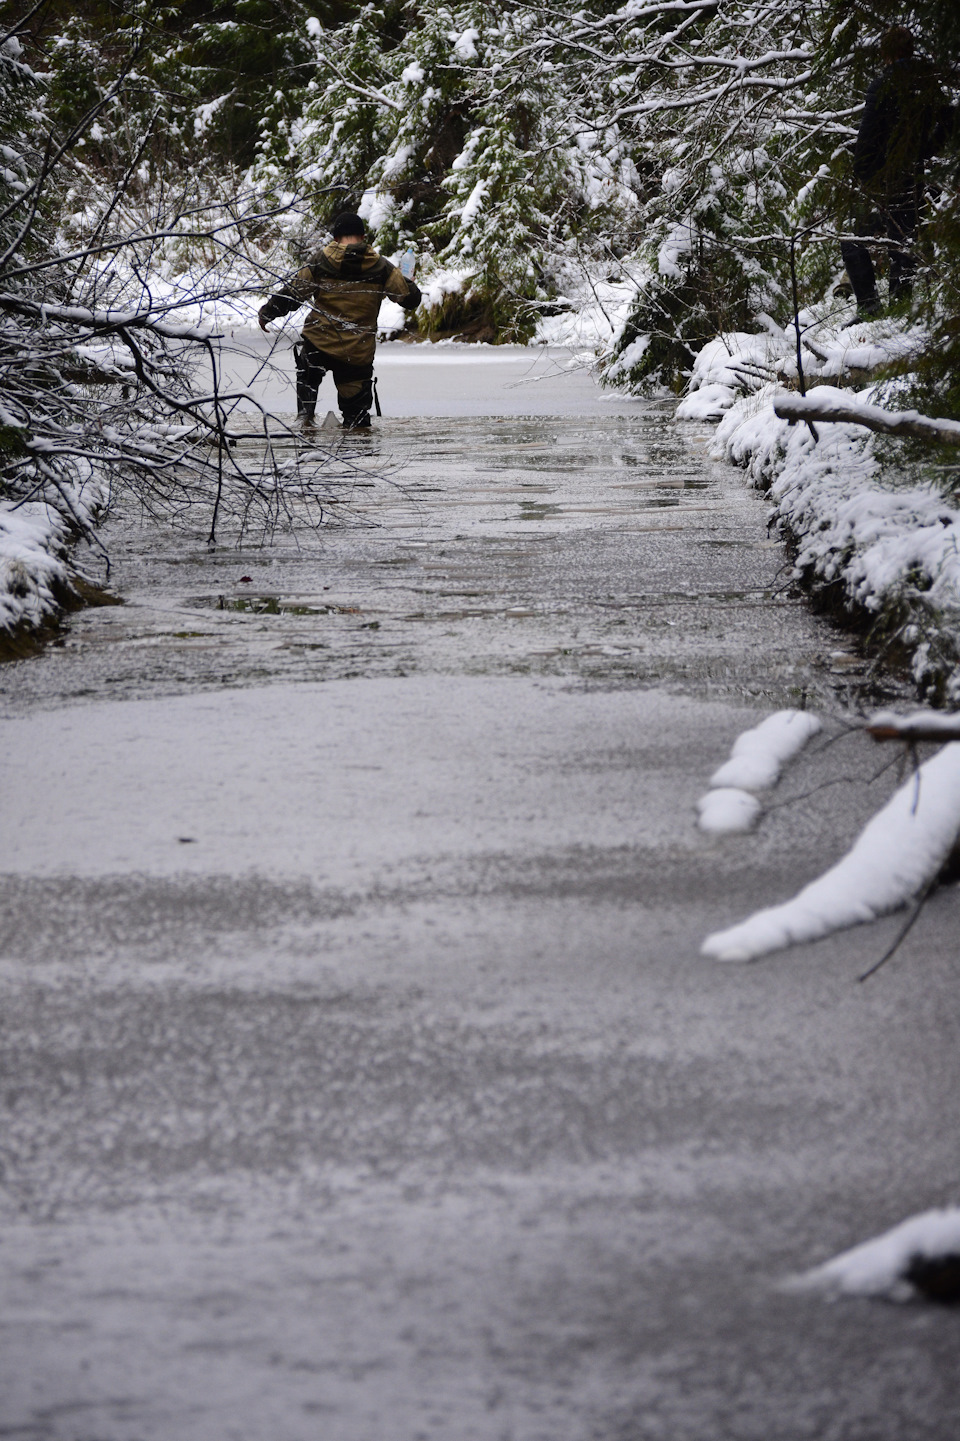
362	1079
522	546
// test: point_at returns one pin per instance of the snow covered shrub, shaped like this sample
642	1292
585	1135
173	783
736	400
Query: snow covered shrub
728	134
449	126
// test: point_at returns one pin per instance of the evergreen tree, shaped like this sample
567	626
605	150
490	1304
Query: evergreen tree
854	46
727	132
448	126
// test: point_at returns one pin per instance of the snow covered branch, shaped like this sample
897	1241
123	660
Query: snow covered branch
101	320
826	403
895	859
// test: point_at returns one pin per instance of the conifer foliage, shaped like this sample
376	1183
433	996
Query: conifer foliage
520	149
448	126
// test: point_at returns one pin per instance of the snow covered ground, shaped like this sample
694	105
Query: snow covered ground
30	538
35	573
889	543
736	361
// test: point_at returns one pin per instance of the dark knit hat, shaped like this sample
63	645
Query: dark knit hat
896	44
346	224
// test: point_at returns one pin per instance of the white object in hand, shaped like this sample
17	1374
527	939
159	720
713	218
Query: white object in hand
408	264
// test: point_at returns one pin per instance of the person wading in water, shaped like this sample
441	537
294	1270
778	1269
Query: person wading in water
345	284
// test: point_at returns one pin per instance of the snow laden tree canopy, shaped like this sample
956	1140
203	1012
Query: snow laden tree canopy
452	127
522	145
695	152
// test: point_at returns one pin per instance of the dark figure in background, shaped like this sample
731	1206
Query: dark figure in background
346	284
900	128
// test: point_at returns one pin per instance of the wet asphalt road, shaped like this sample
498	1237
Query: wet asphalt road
361	1077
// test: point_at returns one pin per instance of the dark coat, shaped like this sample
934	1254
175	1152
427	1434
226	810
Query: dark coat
901	127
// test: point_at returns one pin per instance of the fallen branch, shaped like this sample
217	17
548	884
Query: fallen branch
826	403
918	725
894	861
103	321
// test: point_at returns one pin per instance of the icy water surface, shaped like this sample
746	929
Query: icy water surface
601	549
362	1079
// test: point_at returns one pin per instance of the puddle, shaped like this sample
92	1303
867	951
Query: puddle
268	605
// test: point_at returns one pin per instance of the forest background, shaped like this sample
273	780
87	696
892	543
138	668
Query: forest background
684	147
669	171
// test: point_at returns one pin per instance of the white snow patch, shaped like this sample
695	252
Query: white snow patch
204	114
30	537
759	754
465	47
898	852
879	1267
376	207
391	317
708	402
674	249
396	163
437	284
474	203
598	306
743	362
755	763
727	809
885	544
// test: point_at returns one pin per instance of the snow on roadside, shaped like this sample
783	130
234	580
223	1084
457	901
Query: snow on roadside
881	1267
737	361
894	551
32	572
755	763
896	855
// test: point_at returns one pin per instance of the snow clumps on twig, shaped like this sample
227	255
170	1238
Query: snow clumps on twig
921	1255
897	856
755	764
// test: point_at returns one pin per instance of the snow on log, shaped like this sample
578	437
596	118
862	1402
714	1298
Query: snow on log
825	402
921	1255
896	856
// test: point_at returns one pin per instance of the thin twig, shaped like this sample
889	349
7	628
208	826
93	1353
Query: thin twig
905	930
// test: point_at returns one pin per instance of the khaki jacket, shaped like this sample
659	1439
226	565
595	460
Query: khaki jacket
345	285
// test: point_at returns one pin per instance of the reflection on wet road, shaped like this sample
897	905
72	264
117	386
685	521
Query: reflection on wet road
605	551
